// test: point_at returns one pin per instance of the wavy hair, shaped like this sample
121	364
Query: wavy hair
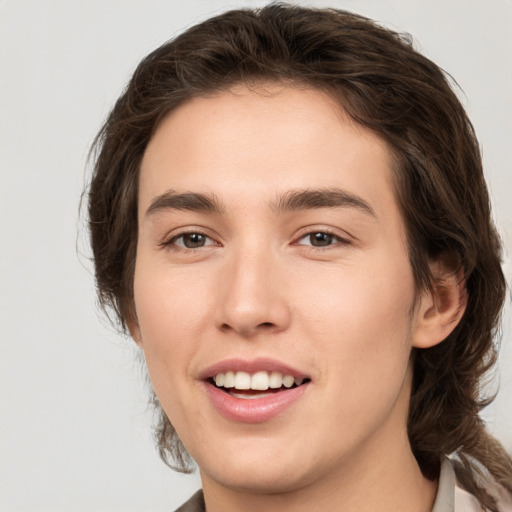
379	79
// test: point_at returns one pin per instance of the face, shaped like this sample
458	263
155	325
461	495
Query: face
273	290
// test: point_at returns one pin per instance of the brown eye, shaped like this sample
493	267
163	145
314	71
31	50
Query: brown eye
321	239
192	240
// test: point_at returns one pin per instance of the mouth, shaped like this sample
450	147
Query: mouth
260	384
254	391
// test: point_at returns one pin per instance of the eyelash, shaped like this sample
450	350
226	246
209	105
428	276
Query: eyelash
336	239
170	243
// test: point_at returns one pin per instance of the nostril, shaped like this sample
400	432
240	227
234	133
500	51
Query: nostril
248	330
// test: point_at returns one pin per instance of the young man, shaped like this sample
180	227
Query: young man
288	214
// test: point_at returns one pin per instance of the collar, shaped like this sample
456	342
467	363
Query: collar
445	498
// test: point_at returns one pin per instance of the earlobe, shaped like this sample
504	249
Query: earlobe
439	311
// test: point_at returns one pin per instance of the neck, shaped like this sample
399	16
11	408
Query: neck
389	482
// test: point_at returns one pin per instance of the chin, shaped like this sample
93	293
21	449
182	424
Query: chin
260	469
267	479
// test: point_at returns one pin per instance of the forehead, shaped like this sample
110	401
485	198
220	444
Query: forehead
249	145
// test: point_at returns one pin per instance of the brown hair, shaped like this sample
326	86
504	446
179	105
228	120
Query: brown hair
384	84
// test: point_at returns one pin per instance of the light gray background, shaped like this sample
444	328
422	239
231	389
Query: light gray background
74	433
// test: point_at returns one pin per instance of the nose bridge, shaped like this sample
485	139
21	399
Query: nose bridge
252	298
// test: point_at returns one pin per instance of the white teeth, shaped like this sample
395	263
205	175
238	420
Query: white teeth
242	380
260	381
288	381
275	380
229	380
248	397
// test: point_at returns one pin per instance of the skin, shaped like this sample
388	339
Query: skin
344	314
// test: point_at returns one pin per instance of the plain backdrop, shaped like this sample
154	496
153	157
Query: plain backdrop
74	425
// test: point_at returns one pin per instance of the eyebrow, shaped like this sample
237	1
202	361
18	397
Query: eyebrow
321	198
191	201
292	200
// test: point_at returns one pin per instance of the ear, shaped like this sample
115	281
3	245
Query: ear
440	310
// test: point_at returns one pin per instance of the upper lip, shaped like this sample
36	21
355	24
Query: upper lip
250	366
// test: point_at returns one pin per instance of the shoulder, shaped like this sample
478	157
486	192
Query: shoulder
194	504
465	501
452	497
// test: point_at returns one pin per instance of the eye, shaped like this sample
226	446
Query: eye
192	240
320	239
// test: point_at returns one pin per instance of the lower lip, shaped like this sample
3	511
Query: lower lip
253	410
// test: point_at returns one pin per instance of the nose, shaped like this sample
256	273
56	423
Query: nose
253	299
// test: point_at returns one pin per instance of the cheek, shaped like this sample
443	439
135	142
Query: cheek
168	302
170	317
358	297
361	318
363	345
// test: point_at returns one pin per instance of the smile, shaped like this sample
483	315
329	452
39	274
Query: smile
253	392
259	381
